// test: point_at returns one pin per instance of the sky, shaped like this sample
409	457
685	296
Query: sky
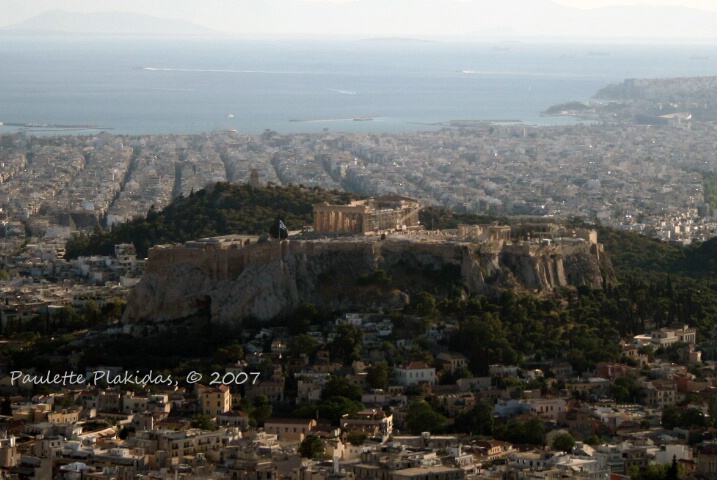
710	5
384	17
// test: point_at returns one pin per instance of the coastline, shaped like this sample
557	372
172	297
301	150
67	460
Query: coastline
335	119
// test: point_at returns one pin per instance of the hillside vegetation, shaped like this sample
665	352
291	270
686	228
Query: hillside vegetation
221	210
632	253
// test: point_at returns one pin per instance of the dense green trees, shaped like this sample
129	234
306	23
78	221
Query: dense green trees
563	442
378	375
423	304
531	431
484	341
630	252
331	408
435	218
628	390
303	316
219	210
710	189
378	278
347	344
478	420
68	319
422	418
203	421
311	447
673	416
338	386
229	353
583	326
259	409
357	437
302	345
656	471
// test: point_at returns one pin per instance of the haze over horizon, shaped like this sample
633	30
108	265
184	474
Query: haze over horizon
508	19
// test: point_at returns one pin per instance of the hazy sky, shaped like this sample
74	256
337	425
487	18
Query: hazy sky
377	17
585	4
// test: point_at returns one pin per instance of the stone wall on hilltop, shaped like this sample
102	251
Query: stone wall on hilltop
271	278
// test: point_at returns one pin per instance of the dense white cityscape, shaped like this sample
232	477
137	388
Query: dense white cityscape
636	177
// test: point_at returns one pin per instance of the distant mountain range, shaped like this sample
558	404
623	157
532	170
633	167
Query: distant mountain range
106	23
507	19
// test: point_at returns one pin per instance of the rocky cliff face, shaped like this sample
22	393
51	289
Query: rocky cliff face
265	280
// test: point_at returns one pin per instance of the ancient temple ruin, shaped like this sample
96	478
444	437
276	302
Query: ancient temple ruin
388	212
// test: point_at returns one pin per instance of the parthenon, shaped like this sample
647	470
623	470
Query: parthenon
387	212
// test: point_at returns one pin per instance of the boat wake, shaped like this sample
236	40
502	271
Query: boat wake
167	89
217	70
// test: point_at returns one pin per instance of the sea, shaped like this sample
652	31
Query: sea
159	85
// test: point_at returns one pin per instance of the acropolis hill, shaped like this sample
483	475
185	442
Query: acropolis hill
236	276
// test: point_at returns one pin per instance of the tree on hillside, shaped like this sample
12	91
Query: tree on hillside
113	309
563	442
670	417
478	420
656	472
357	437
535	431
692	418
377	375
203	422
302	317
423	304
422	418
347	344
260	410
302	345
311	447
334	408
229	353
494	346
530	432
341	387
